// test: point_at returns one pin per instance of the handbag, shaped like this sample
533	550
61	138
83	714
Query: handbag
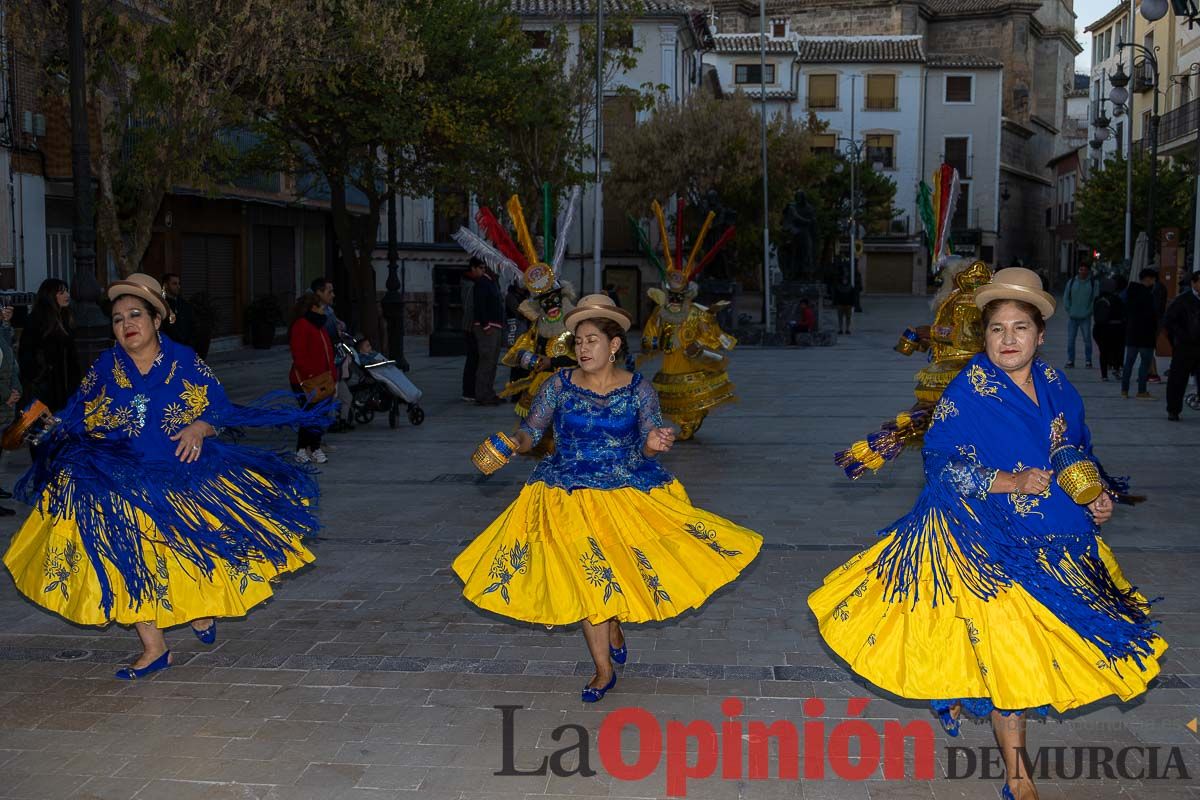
318	387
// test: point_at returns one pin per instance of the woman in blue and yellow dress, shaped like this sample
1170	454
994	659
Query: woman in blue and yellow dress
996	595
601	534
141	517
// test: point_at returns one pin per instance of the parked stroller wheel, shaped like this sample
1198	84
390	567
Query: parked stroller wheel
1193	401
394	415
363	415
416	415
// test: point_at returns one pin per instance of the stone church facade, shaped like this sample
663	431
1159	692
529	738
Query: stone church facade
1035	41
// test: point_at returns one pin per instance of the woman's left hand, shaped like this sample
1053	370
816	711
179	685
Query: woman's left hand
191	440
1101	508
659	440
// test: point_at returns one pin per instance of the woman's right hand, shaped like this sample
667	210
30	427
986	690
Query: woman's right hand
1032	481
523	440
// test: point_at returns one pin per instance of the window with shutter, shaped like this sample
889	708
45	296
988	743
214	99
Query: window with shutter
881	93
824	143
822	92
960	89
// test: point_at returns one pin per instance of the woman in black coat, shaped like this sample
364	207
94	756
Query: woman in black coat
48	358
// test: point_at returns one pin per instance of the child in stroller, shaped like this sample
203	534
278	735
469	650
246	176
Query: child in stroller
379	385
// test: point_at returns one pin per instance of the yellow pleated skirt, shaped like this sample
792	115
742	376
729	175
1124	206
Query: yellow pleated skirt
1011	649
50	566
556	557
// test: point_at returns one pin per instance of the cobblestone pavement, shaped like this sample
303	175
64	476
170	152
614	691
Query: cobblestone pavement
369	677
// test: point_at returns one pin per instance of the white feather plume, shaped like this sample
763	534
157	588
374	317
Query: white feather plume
479	247
565	220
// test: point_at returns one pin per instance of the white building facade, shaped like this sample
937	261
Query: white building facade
907	110
670	37
1106	33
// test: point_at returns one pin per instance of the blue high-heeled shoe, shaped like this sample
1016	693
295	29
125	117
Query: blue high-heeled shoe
593	695
1006	793
208	635
949	724
133	673
619	654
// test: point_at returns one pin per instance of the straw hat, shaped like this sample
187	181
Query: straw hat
141	285
1016	283
597	306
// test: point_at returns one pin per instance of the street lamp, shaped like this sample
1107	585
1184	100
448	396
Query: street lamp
1142	57
1154	10
852	152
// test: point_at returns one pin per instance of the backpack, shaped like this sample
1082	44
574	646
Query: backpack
1101	310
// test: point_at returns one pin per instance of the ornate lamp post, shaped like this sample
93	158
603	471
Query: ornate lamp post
1143	58
393	298
852	151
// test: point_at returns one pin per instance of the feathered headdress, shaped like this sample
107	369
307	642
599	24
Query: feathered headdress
519	258
677	274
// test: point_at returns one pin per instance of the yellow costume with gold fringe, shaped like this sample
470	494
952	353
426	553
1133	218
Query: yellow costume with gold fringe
694	377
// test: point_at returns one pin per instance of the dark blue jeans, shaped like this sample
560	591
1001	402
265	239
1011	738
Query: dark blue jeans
1131	354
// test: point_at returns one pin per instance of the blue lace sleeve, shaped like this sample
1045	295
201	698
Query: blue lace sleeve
541	410
649	414
962	473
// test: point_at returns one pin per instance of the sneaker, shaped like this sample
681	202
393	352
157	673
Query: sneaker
1154	379
1145	396
302	456
1125	395
1070	365
1173	417
1088	365
468	399
319	456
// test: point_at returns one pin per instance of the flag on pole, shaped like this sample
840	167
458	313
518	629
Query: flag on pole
936	202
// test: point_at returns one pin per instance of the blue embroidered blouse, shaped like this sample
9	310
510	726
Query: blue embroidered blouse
598	438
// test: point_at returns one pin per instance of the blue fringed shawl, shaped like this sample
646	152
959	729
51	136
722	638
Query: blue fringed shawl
1046	543
114	467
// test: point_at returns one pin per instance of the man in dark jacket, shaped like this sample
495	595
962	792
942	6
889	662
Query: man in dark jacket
1182	324
487	328
1141	331
181	329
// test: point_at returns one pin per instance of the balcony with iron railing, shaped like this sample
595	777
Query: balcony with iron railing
1179	122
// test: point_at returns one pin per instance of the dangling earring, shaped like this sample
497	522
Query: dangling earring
612	358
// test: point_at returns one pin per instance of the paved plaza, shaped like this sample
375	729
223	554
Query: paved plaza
369	678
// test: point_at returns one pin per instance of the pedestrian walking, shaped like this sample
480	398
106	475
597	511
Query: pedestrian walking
313	376
1108	329
844	298
142	517
471	365
1141	332
1078	299
337	330
995	594
487	329
49	360
601	534
1182	324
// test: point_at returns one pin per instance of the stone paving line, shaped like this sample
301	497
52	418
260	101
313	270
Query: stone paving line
368	676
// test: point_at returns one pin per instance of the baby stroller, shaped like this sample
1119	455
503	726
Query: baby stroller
379	386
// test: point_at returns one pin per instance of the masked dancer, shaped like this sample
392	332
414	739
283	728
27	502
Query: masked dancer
996	595
694	378
601	534
142	516
546	346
